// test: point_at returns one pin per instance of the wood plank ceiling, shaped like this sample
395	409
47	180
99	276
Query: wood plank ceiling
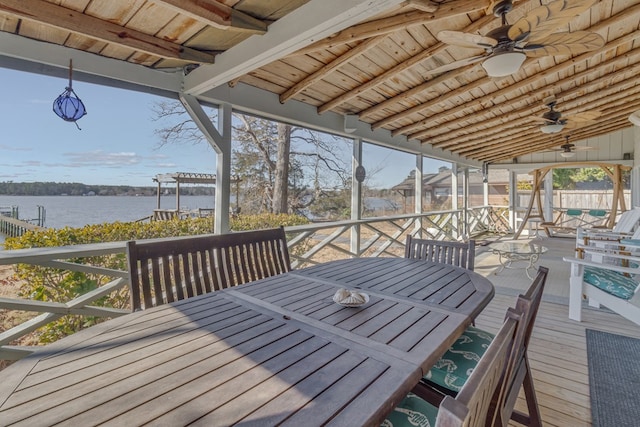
383	70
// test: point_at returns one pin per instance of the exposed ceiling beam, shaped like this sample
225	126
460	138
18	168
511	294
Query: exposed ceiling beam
495	97
598	90
314	20
65	19
330	67
449	8
266	104
615	126
393	23
217	15
109	70
534	139
424	5
514	135
435	49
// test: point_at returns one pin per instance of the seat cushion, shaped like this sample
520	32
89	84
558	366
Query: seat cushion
412	412
612	282
455	366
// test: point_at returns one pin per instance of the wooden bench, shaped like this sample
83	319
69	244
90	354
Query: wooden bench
607	282
166	270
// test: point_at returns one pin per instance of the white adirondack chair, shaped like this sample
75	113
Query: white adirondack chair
623	229
605	283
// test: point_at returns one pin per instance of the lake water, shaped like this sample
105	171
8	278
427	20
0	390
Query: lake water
77	211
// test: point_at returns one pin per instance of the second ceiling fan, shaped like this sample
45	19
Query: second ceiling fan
568	149
507	46
554	121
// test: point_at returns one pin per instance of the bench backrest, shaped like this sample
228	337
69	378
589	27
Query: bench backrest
166	270
460	254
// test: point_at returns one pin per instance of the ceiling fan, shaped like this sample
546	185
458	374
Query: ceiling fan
554	121
507	46
569	150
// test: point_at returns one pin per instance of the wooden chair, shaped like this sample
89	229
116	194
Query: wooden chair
473	405
450	374
166	270
455	253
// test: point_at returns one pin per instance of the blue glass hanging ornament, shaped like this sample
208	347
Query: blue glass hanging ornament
68	106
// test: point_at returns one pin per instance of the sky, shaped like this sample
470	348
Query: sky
117	144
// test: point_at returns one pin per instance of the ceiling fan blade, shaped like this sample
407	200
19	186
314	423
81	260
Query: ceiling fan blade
584	149
544	20
456	64
585	116
458	38
565	44
570	124
541	119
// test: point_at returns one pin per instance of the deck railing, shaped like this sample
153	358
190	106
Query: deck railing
308	244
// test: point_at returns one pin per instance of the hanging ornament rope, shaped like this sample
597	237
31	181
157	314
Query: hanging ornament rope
68	106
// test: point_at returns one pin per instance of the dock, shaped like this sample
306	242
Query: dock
12	226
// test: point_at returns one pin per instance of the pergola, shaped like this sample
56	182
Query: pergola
178	178
373	70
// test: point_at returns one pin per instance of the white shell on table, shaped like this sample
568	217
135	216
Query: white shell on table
350	298
341	294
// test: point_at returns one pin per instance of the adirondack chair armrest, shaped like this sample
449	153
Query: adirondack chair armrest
604	236
619	253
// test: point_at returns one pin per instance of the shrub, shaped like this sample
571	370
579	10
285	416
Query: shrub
56	285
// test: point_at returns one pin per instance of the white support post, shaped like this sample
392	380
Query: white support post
548	197
575	292
485	193
513	198
221	143
465	203
419	194
356	196
454	198
635	172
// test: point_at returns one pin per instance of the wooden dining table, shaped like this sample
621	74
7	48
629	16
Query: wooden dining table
278	351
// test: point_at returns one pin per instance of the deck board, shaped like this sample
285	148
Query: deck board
558	357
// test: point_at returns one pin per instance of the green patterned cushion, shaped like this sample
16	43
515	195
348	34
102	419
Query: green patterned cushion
611	282
455	366
412	412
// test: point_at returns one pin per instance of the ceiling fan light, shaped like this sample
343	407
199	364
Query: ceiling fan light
503	64
567	154
552	128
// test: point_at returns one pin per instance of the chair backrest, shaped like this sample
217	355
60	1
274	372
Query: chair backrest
459	254
166	270
473	404
526	308
627	221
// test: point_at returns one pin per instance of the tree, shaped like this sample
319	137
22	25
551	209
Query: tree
265	156
563	178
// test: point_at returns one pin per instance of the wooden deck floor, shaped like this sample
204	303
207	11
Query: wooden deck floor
558	350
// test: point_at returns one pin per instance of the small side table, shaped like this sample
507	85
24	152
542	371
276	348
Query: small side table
526	254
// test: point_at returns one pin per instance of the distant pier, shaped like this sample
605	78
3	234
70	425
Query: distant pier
12	226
